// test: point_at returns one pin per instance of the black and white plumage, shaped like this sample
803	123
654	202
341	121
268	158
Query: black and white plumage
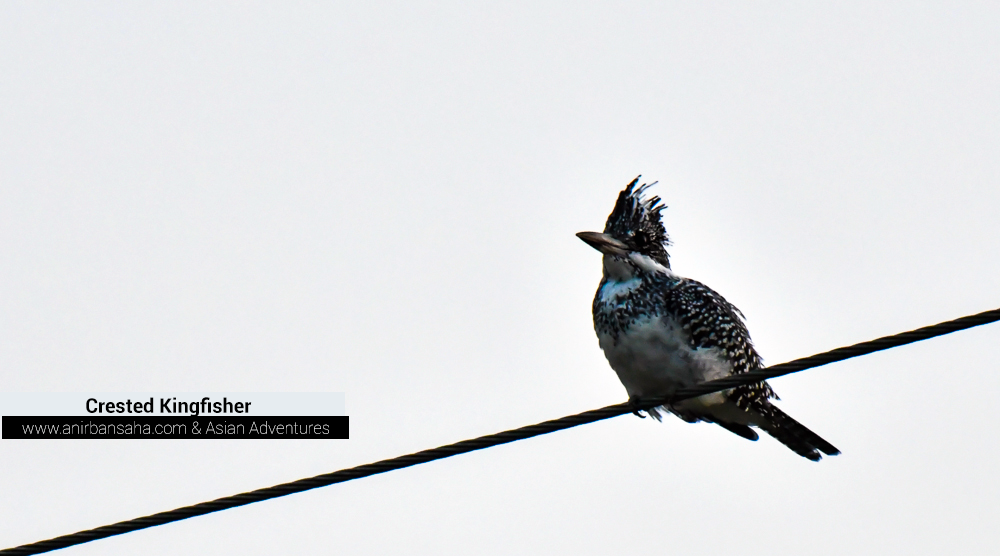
661	332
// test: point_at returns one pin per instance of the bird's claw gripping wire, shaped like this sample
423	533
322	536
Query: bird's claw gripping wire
635	406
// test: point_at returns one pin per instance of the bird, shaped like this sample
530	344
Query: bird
661	332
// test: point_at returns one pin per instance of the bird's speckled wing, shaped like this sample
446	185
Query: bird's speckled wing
713	322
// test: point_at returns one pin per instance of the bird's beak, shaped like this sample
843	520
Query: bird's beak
604	243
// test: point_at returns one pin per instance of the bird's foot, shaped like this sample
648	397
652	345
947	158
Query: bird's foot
633	402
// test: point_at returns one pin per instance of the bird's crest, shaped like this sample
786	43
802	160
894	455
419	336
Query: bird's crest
637	221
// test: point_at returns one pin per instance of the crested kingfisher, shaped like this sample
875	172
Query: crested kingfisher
661	332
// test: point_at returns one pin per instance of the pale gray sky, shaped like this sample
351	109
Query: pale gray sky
381	199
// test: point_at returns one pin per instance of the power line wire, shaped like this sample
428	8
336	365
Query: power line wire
504	437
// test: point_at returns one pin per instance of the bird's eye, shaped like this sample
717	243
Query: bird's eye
639	239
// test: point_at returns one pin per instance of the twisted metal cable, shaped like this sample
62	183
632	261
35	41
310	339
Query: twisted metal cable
497	439
839	354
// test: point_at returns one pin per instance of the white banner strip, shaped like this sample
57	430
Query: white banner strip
173	403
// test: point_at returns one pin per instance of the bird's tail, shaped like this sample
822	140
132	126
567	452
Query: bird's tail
792	433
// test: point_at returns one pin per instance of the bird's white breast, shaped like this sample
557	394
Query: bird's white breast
653	358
